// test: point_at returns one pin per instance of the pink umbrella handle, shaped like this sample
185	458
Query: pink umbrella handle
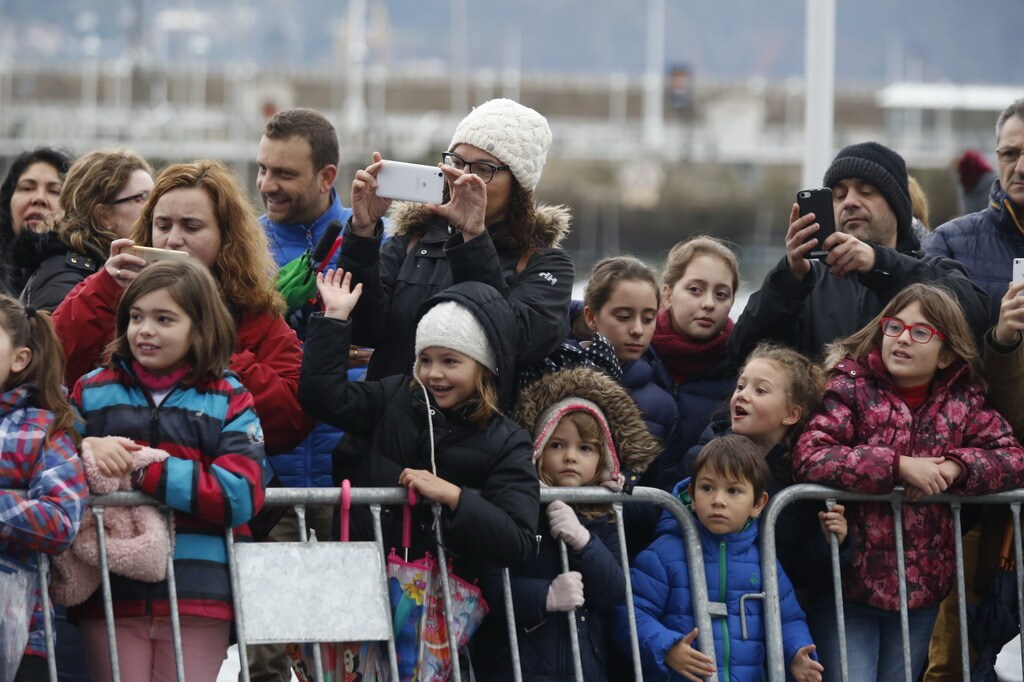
346	507
407	520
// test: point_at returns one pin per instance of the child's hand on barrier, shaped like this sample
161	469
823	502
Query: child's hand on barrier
113	457
565	526
687	661
924	474
432	487
337	293
565	593
834	521
803	668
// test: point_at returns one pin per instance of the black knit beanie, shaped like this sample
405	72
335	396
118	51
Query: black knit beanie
883	168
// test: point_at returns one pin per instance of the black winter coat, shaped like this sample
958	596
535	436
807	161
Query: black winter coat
386	424
545	649
808	314
53	269
399	275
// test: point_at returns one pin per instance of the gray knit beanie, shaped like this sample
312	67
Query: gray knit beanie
516	135
450	325
883	168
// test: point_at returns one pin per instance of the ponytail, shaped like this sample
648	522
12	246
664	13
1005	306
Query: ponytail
33	329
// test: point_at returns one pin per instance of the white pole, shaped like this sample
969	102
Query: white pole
460	59
355	69
654	77
819	107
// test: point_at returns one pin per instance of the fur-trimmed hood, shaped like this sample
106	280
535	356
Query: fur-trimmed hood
637	448
548	231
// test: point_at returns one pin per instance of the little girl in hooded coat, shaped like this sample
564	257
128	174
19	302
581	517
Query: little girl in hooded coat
605	419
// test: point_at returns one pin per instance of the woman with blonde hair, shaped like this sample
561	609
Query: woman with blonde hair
199	208
101	199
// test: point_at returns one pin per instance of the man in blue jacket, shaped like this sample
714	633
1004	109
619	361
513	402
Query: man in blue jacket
298	163
988	241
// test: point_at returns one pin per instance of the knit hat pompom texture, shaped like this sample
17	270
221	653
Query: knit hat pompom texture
450	325
883	168
516	135
609	475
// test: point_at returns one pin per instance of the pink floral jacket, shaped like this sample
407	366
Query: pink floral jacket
854	442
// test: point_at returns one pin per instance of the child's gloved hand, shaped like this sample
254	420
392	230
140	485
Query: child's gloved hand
565	592
565	526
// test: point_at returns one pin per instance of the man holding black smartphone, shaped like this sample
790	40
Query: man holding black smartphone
873	254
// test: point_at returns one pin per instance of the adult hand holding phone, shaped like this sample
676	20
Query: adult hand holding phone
800	241
466	210
367	207
1011	316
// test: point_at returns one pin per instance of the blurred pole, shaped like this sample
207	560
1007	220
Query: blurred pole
512	68
460	59
355	69
819	106
654	77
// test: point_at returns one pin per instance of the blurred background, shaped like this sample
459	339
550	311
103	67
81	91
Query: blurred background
670	118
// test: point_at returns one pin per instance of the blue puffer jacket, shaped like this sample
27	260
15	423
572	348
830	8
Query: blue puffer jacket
650	385
701	400
986	242
308	465
732	568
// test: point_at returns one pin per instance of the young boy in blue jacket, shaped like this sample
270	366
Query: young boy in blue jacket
727	494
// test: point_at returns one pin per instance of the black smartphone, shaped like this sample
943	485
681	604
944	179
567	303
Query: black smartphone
819	202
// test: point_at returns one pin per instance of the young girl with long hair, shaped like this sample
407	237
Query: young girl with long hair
904	405
38	454
441	432
167	386
621	302
699	287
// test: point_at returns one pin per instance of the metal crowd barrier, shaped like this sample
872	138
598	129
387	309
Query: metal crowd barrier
769	566
375	498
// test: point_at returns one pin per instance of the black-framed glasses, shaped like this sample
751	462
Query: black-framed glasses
482	169
135	198
919	333
1009	155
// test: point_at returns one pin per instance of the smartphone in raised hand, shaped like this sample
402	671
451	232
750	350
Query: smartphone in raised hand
819	202
410	182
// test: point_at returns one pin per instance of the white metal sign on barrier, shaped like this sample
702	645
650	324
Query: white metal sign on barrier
304	592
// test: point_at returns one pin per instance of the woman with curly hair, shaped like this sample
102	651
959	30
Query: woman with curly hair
488	229
199	208
28	202
102	198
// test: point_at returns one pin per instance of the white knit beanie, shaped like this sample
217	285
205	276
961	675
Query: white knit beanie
516	135
450	325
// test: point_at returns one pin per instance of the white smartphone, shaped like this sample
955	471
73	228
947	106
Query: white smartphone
152	255
410	182
1018	269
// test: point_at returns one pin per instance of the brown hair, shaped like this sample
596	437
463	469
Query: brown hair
590	432
938	306
245	270
918	202
683	253
34	330
192	287
737	457
486	398
806	378
95	179
607	273
311	126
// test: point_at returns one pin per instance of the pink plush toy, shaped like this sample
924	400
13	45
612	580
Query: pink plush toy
136	537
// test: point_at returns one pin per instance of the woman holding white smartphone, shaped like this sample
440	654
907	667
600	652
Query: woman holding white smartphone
488	228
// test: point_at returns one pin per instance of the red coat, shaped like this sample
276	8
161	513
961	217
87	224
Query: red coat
267	358
854	443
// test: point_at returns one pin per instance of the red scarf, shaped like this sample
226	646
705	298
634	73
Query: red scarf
686	359
159	382
915	395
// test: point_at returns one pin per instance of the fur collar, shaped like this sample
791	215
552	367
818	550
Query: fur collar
548	231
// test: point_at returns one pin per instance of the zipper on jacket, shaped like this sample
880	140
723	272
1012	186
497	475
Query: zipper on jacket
725	621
